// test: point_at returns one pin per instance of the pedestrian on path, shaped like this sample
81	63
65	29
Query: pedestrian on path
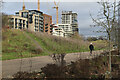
91	47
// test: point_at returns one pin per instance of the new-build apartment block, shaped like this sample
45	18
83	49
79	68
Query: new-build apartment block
47	24
69	17
34	19
67	29
57	31
18	22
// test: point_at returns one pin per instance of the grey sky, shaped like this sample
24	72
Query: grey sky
82	8
57	0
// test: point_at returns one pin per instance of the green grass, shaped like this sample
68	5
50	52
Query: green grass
16	43
100	44
59	45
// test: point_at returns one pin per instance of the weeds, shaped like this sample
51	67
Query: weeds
15	41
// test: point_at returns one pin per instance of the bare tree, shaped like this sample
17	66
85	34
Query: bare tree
59	59
107	20
118	29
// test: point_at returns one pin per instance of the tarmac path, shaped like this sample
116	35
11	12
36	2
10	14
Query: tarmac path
10	67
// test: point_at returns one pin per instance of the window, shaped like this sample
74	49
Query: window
27	25
46	24
15	20
23	26
25	14
23	21
30	18
17	13
36	29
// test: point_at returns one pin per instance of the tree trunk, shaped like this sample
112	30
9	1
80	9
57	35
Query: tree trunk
110	69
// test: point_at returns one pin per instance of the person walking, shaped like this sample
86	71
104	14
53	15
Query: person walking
91	47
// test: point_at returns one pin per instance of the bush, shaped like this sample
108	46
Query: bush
92	39
27	76
83	69
80	69
54	71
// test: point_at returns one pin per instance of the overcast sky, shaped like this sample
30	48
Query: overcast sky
83	9
57	0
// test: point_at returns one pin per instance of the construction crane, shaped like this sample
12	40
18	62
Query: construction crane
38	5
23	5
56	7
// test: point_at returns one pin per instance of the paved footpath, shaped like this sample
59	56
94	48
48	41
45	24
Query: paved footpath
10	67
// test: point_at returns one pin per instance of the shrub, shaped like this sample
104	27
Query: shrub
92	39
53	71
27	76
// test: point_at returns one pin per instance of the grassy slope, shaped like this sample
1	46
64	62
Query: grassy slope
58	44
55	44
15	42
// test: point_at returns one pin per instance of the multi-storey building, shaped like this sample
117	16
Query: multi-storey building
47	23
67	29
34	18
57	31
18	22
69	17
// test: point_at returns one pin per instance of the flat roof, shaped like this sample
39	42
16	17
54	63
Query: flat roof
36	11
30	10
68	12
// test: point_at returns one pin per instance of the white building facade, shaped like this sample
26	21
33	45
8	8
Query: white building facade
67	29
57	31
31	19
18	22
69	17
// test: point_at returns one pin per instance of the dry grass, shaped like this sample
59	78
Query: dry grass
64	45
16	43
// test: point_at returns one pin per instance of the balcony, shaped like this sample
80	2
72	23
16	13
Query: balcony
46	27
51	28
46	30
50	31
46	24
